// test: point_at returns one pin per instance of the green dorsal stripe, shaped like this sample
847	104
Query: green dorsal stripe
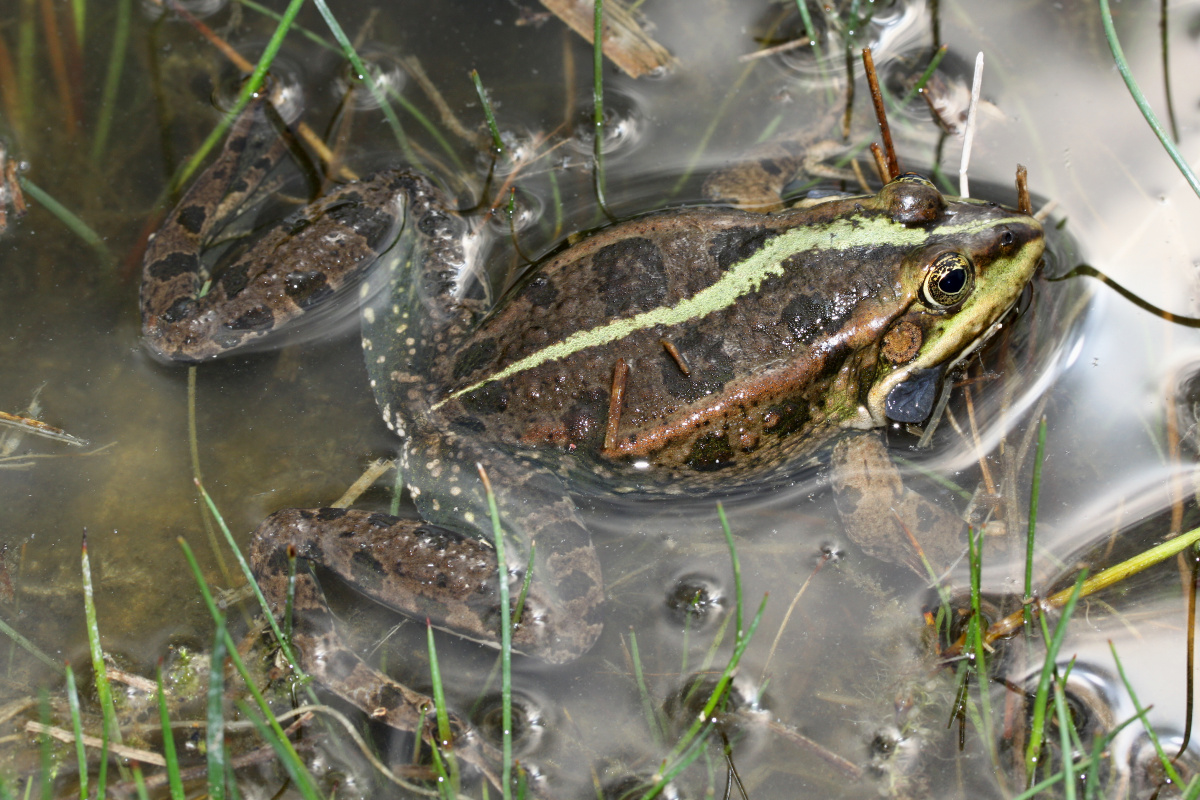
742	278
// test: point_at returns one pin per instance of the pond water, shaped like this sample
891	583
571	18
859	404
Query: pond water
847	700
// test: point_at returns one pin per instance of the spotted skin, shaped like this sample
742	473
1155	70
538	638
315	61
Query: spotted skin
751	340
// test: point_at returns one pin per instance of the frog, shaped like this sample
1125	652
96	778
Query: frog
688	351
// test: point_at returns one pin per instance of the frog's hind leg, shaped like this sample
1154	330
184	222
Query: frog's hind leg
298	265
382	544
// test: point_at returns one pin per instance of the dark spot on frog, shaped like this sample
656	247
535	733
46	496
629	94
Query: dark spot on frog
238	186
181	309
478	355
438	537
710	366
329	514
736	244
307	288
468	425
848	498
584	421
372	223
366	571
256	319
191	218
382	520
173	265
237	144
786	418
389	696
263	163
234	279
276	562
435	223
341	663
632	274
710	452
769	166
811	319
540	291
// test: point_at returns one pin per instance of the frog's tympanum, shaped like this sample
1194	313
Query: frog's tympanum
681	351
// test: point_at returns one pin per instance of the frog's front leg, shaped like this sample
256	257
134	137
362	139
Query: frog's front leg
756	181
885	518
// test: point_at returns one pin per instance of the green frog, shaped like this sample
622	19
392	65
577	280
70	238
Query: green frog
693	350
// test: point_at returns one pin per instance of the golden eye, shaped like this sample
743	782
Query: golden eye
949	282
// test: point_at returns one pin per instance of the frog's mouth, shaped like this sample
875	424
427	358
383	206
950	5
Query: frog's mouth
908	394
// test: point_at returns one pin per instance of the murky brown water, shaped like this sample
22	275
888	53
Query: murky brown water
296	427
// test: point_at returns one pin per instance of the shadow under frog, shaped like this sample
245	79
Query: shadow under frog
693	350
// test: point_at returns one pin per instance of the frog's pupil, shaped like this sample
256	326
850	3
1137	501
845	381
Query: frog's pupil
953	281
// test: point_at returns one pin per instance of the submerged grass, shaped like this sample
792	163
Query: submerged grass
1168	767
1035	492
692	743
1114	44
77	729
248	90
506	764
366	76
68	218
276	736
174	782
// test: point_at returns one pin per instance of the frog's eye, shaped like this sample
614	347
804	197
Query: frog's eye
949	281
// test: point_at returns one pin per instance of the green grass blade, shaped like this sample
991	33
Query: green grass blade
249	89
29	646
360	69
68	218
1064	734
292	762
77	727
647	706
687	749
79	16
975	635
505	639
45	752
214	738
1035	492
103	688
102	772
249	575
926	75
448	787
737	569
112	80
168	741
1143	105
488	113
312	36
1041	698
1168	767
274	736
598	102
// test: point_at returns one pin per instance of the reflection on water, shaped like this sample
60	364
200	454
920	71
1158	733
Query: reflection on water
843	701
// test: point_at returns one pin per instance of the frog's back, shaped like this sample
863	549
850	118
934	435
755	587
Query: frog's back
690	342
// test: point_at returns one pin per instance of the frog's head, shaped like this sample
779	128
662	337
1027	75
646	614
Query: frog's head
960	283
